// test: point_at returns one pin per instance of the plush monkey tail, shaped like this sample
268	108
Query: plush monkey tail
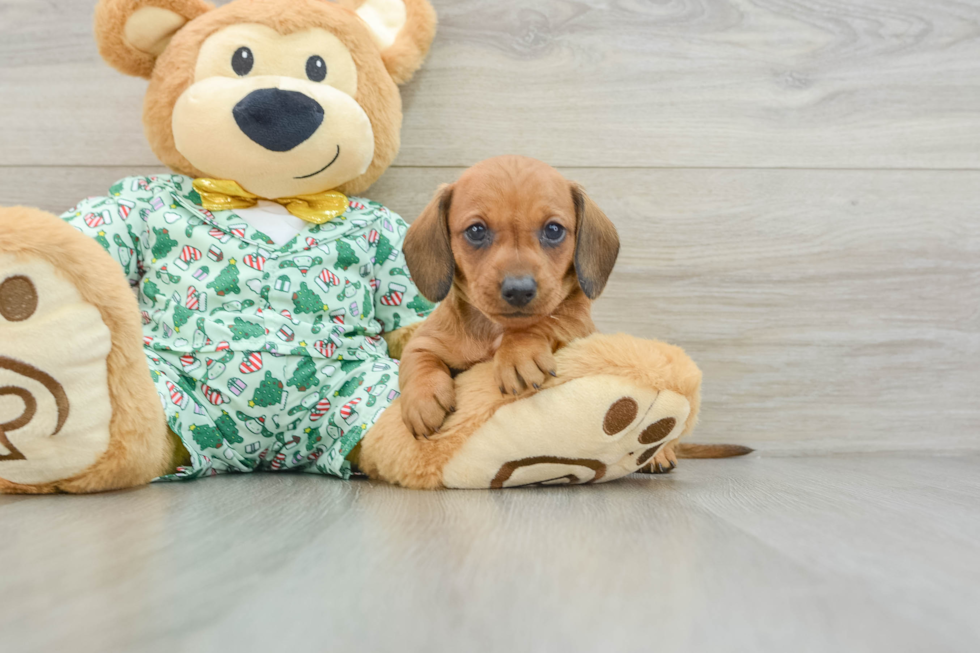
711	450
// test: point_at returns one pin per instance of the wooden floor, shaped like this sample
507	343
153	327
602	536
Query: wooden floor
797	184
878	552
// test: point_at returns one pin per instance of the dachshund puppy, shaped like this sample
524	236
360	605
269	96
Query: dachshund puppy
516	254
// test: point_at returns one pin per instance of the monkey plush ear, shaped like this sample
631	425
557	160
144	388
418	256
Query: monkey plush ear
596	244
132	33
428	248
403	29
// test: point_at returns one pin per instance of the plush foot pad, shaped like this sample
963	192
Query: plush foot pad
589	430
54	405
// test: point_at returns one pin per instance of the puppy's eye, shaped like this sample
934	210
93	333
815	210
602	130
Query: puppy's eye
316	68
476	234
242	61
553	233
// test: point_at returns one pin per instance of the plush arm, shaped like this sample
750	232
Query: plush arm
113	221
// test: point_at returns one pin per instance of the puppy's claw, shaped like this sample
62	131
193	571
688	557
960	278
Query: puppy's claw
553	373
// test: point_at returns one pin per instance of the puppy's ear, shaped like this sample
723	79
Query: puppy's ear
132	33
428	248
403	29
596	244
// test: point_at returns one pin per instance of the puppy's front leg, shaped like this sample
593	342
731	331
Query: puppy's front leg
524	360
428	391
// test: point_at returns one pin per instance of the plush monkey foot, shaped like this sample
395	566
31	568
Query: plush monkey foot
617	403
77	408
589	430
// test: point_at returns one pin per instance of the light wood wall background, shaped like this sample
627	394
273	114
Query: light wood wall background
796	182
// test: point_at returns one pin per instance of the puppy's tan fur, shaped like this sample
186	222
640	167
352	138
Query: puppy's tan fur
514	198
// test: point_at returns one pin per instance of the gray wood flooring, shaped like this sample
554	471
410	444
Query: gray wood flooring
878	552
797	184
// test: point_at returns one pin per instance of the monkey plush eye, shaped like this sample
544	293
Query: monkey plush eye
476	234
553	233
316	68
242	61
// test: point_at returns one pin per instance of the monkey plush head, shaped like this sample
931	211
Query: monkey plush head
285	97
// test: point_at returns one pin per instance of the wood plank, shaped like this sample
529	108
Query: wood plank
58	188
823	554
828	309
695	83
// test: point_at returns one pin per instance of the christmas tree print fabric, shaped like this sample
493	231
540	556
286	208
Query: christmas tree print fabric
264	357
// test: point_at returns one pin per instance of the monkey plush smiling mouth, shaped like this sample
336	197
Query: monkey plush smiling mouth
284	101
278	111
266	113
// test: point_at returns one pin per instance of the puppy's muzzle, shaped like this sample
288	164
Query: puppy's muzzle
519	291
278	120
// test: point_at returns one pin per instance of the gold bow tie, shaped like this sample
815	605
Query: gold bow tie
224	195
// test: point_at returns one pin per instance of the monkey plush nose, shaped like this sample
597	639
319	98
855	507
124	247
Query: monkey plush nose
519	291
278	120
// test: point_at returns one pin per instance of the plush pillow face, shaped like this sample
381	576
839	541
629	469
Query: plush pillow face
285	97
264	101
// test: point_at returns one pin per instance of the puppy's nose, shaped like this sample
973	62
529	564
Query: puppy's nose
519	291
278	120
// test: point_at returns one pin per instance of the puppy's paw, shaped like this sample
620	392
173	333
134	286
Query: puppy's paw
425	403
523	365
663	462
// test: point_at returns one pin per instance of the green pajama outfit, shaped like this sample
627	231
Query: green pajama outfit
265	357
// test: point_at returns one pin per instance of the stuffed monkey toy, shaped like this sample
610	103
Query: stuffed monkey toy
246	312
